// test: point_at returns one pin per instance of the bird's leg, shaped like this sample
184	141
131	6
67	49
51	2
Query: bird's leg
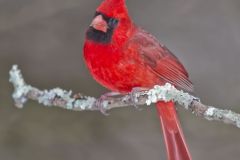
133	96
100	101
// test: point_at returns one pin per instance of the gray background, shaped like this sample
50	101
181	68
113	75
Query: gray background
45	38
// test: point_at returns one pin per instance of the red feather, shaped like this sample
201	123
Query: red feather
126	57
173	135
156	57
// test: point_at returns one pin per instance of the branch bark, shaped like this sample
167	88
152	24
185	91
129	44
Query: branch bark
64	99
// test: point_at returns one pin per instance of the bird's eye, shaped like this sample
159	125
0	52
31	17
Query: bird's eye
112	22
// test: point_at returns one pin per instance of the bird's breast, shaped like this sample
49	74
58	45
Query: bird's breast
115	70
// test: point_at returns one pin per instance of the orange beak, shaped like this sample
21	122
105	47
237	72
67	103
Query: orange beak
99	24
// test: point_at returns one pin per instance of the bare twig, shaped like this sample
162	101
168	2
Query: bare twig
64	99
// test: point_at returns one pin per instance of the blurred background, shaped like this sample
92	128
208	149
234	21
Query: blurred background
45	38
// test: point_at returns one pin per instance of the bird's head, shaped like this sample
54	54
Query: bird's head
111	15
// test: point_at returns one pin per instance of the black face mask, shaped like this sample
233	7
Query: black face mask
99	36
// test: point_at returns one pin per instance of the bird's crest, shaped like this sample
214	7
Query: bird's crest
114	8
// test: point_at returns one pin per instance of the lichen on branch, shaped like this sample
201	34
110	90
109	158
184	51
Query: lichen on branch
65	99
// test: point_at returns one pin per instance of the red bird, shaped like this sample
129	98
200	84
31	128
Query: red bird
121	56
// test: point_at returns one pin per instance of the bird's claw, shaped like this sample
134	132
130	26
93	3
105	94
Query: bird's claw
133	97
100	103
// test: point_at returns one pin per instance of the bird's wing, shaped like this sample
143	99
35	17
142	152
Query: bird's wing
160	60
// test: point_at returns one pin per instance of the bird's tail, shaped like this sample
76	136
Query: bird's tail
173	136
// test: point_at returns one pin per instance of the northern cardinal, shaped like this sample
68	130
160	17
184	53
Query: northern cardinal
121	56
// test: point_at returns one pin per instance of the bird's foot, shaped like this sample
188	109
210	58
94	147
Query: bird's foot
100	102
133	96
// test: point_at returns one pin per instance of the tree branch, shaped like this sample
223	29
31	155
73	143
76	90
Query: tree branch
64	99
